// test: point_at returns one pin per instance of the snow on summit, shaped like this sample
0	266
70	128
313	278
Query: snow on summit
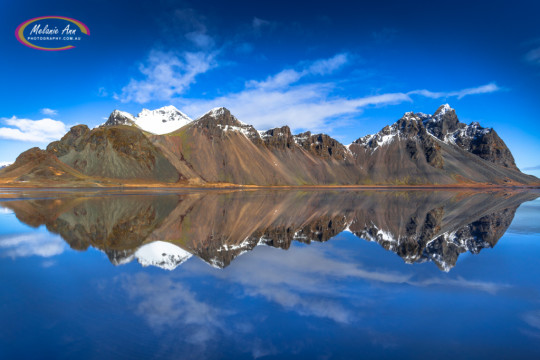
162	121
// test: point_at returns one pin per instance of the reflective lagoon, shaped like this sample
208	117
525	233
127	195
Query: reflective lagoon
269	274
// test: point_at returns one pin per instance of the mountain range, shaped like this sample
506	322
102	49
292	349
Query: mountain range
164	147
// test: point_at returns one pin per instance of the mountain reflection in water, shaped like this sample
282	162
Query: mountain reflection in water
166	229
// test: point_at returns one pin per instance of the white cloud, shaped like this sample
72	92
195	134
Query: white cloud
43	130
49	112
164	311
201	40
25	245
300	107
289	76
311	287
166	75
532	318
328	66
278	100
281	100
484	89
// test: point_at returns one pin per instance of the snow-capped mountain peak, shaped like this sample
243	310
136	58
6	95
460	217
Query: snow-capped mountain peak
216	112
118	117
219	112
162	254
443	109
160	121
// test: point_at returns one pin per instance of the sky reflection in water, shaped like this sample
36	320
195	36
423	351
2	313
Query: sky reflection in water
343	298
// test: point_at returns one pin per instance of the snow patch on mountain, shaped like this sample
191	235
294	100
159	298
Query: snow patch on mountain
161	254
379	140
243	130
469	132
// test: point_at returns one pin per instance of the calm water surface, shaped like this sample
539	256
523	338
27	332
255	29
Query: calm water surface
269	274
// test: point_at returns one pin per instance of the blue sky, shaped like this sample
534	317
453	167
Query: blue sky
344	68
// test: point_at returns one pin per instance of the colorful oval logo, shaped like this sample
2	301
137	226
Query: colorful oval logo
51	33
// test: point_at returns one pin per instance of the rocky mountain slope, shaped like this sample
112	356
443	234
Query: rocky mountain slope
119	152
39	165
418	149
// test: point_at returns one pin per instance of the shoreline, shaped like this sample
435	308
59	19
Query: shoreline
271	187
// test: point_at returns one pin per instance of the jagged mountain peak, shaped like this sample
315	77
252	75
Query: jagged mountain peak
222	115
443	109
220	120
444	126
118	117
218	111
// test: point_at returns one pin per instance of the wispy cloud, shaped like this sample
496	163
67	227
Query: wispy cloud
282	99
301	107
289	76
537	167
49	112
533	56
295	96
484	89
189	322
43	130
259	25
166	75
175	304
192	25
384	35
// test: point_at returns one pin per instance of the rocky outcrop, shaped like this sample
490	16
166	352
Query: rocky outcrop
120	152
36	166
321	145
278	138
483	142
118	117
